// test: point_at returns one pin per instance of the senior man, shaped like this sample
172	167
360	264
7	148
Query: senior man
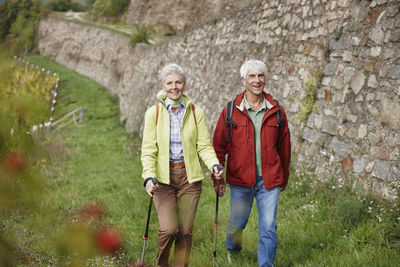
257	142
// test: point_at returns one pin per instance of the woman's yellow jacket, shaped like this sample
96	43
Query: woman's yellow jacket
196	143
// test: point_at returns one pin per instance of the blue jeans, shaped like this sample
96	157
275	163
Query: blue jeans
241	203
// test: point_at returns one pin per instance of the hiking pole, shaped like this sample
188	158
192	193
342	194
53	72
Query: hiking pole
146	233
214	255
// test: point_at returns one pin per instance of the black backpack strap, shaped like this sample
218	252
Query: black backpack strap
229	121
279	117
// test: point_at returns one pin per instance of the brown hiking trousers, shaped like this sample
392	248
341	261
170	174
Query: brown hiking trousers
176	206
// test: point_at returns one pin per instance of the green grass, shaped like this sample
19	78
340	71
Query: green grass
319	224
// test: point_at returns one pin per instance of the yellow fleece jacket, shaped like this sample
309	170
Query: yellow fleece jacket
196	143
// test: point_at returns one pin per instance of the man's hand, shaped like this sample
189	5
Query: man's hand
151	186
283	188
218	171
221	190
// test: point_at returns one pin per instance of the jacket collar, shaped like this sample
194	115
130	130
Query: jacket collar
187	101
268	100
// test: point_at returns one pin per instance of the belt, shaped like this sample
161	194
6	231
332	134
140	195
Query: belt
177	165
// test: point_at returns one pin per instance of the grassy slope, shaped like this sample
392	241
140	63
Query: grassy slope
101	162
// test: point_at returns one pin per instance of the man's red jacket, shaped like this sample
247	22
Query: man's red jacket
241	165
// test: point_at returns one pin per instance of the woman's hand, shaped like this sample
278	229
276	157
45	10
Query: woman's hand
151	186
218	171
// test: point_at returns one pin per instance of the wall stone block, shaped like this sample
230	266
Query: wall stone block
381	170
395	155
359	165
394	72
373	138
362	131
372	82
394	175
344	43
330	69
390	112
339	148
377	35
395	36
347	164
376	51
355	41
357	82
379	152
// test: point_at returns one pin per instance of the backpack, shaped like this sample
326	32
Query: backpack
229	121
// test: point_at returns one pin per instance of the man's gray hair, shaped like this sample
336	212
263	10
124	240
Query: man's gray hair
254	65
171	68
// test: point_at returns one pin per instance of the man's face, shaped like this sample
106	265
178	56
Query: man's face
254	82
173	86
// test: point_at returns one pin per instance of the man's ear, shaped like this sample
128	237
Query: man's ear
244	81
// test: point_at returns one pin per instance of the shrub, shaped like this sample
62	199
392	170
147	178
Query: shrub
8	14
24	31
110	8
18	22
350	211
64	5
308	102
141	35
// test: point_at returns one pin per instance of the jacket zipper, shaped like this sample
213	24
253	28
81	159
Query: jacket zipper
254	133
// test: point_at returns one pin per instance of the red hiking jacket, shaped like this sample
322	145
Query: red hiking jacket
241	165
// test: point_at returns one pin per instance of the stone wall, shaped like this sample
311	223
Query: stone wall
353	128
182	15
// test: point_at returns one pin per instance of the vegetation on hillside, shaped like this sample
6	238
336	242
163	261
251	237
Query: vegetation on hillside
35	227
64	5
19	20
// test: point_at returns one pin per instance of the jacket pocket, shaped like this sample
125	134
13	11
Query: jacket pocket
269	133
239	134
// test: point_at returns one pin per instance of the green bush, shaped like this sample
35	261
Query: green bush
23	30
89	4
64	5
110	8
10	10
351	211
19	20
141	35
8	14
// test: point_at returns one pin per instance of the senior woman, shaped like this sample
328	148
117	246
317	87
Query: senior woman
175	138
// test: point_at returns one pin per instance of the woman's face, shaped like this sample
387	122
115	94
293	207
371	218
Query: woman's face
173	86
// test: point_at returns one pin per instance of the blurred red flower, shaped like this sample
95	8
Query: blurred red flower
13	161
109	239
